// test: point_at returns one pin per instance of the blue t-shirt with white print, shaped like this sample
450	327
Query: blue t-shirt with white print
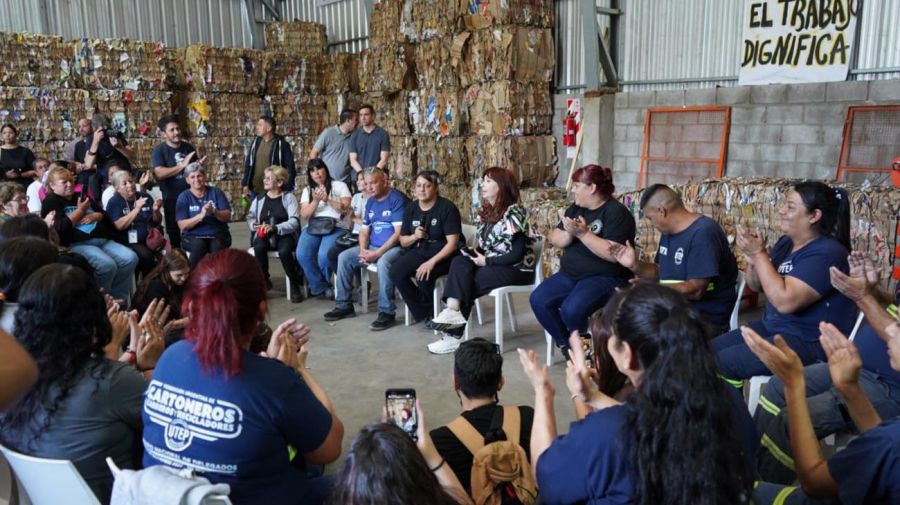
235	430
381	216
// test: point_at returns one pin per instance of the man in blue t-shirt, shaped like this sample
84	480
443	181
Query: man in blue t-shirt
169	160
693	257
378	245
827	406
370	144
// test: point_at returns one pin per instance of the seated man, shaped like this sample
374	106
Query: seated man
477	379
693	256
827	406
378	245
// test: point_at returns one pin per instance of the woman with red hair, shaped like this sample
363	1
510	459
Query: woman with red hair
235	417
503	257
588	273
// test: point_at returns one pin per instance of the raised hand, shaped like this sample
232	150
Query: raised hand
779	358
538	376
625	254
853	287
750	241
844	361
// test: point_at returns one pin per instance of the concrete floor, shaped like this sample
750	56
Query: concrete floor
355	365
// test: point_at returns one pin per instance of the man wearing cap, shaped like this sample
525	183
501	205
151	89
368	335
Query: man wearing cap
203	214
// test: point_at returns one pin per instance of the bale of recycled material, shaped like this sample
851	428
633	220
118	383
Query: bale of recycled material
507	53
478	14
219	114
42	114
391	22
437	113
224	69
532	159
388	68
391	112
296	37
434	19
509	108
299	114
35	60
224	156
402	163
446	156
288	72
335	103
341	73
121	63
437	65
134	113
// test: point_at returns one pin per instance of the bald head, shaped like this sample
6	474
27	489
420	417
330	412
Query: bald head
661	196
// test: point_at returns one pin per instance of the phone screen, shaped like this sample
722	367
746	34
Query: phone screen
401	409
587	344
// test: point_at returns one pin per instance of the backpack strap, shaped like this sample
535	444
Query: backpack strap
463	430
512	423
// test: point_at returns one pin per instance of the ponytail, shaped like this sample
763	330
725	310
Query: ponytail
842	226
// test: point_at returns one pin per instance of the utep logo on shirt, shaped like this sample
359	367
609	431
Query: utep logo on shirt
679	255
786	267
185	415
596	226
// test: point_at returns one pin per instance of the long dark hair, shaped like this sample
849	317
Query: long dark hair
835	207
62	323
171	261
223	297
506	196
316	164
680	424
19	258
385	466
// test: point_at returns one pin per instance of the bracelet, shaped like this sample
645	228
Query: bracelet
90	153
579	395
439	465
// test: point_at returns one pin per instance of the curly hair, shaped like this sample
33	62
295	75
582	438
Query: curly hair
8	191
694	459
385	466
62	323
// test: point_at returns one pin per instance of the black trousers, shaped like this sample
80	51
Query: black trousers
418	295
333	254
199	247
172	229
285	248
146	258
467	281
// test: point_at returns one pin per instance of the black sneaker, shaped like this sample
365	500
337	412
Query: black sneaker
296	293
338	313
383	322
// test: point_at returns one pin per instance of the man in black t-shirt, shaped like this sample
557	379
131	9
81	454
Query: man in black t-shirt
169	160
97	152
477	379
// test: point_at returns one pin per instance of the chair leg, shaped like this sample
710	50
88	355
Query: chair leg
498	322
287	287
512	312
364	290
436	306
406	318
478	312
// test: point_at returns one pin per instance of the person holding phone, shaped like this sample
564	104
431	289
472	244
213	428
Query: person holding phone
203	213
248	420
16	162
588	274
82	226
503	257
429	236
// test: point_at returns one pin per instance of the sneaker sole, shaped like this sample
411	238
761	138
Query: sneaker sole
338	318
443	351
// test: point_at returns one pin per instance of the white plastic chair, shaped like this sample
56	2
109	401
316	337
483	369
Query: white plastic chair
48	481
502	296
739	286
758	381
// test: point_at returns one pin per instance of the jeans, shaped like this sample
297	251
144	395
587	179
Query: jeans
563	304
468	281
312	254
348	263
172	228
285	247
737	362
113	264
198	247
417	294
826	409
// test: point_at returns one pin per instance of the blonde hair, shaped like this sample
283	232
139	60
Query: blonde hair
56	173
279	172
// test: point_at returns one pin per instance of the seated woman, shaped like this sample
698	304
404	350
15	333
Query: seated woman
203	214
133	214
589	273
85	407
429	237
323	204
82	226
396	470
815	220
274	221
616	452
166	282
19	257
358	207
257	412
502	258
868	469
13	201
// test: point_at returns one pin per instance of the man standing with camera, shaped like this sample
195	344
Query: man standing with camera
96	153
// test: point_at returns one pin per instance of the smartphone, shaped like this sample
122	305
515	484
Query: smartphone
468	251
587	344
401	410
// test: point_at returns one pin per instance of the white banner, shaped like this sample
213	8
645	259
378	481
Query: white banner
794	41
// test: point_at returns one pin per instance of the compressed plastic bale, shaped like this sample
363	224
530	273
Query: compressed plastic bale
42	114
296	37
224	69
121	63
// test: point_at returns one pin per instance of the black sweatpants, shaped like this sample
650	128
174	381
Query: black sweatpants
172	229
467	281
418	295
286	246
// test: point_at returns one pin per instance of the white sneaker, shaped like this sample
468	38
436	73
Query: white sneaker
448	319
446	345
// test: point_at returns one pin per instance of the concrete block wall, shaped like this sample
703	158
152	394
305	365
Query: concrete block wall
786	130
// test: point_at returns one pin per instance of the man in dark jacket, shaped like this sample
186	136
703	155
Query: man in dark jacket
266	150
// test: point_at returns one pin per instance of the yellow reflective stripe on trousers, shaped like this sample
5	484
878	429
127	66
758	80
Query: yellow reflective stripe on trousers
768	406
776	452
783	495
892	310
709	286
735	383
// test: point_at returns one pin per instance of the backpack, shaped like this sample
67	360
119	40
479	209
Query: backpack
501	473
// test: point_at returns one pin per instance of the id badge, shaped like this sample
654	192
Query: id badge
132	237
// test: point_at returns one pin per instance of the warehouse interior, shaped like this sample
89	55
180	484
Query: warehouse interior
659	91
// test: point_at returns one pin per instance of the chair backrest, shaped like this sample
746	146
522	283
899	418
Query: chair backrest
469	231
50	481
538	247
739	285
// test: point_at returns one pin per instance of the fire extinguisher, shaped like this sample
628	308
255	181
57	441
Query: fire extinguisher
570	129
